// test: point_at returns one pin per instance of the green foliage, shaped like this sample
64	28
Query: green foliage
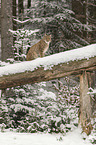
32	109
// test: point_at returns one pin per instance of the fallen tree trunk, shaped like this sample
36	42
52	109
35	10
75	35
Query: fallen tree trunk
40	74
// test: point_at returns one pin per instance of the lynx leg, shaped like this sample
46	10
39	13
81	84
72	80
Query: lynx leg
41	54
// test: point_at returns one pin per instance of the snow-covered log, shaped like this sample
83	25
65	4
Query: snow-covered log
51	67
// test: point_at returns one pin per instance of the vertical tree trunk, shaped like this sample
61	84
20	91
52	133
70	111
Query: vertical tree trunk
86	19
85	105
79	10
20	7
86	12
14	14
94	9
6	24
29	4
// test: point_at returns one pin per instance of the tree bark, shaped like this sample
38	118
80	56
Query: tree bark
6	24
14	15
85	105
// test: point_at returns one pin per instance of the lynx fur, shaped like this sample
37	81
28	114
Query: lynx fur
39	48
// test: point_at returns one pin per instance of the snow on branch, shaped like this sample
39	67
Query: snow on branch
21	22
50	67
92	91
24	32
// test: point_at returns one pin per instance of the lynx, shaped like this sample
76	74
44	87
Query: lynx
39	48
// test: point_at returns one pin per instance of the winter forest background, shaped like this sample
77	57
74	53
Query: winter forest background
51	106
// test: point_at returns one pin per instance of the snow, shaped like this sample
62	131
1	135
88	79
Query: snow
93	92
47	94
22	22
23	32
18	107
13	138
49	61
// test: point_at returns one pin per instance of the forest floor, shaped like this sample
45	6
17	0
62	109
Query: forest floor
13	138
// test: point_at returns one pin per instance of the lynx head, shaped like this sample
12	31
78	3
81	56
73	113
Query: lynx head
47	38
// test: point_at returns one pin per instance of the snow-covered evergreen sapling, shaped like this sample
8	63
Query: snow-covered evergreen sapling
22	42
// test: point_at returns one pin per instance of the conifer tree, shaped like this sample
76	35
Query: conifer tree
56	18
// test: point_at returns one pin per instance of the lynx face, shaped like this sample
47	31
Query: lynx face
47	38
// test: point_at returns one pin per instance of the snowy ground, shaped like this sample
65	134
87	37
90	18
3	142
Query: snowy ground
12	138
